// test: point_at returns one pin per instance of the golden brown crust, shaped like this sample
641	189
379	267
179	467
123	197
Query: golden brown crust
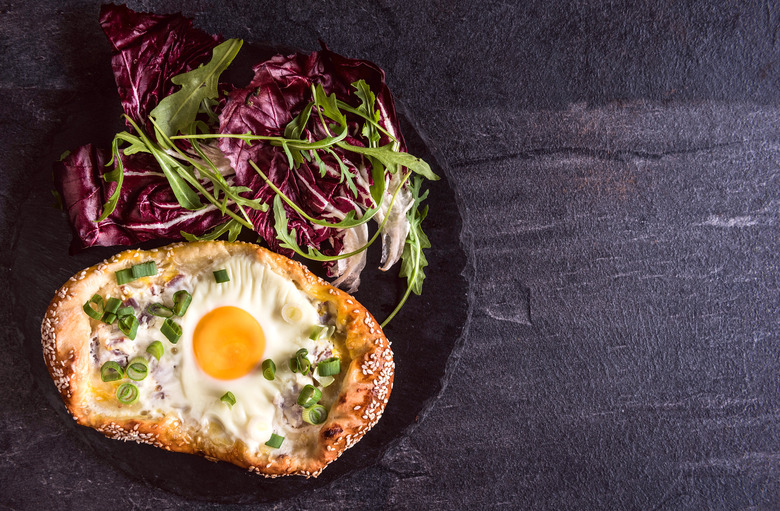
365	388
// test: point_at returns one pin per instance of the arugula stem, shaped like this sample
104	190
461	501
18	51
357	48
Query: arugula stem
412	278
316	255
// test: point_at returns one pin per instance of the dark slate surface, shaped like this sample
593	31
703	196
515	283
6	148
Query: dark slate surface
616	168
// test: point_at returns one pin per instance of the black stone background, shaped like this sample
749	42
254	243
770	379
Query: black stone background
616	171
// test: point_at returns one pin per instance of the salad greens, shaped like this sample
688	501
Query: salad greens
306	155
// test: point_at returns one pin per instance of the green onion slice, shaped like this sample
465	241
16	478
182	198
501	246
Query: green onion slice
269	369
228	398
128	325
321	332
137	271
112	305
137	369
181	301
221	276
146	269
124	276
125	311
275	441
294	365
127	393
309	396
291	313
324	381
159	310
171	330
329	366
315	414
111	371
156	349
94	307
108	318
302	363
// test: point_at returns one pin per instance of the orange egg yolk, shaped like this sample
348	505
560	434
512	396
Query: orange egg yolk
228	343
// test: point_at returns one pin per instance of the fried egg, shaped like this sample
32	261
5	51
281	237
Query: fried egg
228	330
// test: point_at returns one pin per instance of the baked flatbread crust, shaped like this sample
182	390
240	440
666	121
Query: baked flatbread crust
365	353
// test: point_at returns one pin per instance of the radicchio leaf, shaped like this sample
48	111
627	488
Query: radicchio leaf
273	101
146	209
149	50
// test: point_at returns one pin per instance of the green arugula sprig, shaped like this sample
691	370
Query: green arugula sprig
413	259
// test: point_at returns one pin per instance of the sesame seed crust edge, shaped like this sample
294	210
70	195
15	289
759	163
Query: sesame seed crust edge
365	387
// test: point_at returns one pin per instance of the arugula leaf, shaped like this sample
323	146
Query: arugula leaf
367	101
177	112
390	157
413	259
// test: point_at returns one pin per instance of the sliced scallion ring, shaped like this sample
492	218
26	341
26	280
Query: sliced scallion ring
291	313
181	301
309	396
321	332
124	276
128	325
108	318
111	371
221	276
156	349
269	369
146	269
315	414
325	381
171	330
127	393
159	310
228	398
94	307
137	369
275	441
112	305
329	366
125	311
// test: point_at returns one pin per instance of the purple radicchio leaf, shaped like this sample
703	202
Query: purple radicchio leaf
281	88
150	49
146	210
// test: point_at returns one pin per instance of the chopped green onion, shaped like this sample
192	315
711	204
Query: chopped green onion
315	414
329	366
137	369
302	364
125	311
137	271
108	318
111	371
309	396
291	313
156	349
221	276
321	332
128	325
181	301
112	305
127	393
228	398
171	330
269	369
124	276
324	381
146	269
92	312
275	441
159	310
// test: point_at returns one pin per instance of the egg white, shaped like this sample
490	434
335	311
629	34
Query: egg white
176	383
